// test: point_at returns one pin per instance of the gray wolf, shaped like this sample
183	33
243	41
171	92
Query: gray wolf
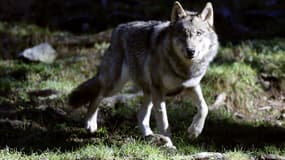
161	58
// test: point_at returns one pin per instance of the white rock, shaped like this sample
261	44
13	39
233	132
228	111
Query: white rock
208	155
42	52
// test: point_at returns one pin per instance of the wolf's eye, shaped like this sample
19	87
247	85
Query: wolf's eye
199	33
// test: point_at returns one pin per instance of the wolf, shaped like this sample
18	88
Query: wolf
162	58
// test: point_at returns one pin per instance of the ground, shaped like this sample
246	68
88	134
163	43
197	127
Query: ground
248	122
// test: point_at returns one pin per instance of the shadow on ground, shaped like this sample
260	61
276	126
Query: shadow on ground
229	135
223	132
39	129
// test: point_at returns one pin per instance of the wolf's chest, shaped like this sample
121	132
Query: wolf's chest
171	83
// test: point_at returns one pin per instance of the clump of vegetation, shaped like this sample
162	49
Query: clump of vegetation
238	81
247	72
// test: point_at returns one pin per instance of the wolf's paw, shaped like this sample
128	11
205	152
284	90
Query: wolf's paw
160	140
194	132
91	127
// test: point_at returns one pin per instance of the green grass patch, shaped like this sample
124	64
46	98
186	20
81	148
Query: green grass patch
238	80
239	69
130	150
265	56
237	155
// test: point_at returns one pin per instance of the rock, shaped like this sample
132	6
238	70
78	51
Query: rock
279	123
160	140
283	115
271	157
202	156
208	156
265	84
42	53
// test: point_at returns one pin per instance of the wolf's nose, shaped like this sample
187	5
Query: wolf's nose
190	52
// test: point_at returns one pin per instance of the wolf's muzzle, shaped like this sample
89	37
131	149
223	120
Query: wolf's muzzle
190	53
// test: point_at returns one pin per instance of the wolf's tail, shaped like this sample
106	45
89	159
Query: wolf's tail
84	93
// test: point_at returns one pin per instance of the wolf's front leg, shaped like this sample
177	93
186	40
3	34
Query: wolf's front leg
161	118
144	115
202	111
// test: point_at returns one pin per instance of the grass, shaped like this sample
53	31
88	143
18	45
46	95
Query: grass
238	80
237	71
126	151
237	155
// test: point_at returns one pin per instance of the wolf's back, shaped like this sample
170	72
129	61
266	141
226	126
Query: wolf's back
133	36
84	93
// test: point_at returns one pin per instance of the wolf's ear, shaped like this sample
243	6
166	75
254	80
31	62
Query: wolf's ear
208	14
177	12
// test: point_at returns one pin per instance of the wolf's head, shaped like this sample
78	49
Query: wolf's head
193	34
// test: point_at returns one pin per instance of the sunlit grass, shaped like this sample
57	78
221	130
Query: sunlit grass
131	150
237	155
238	80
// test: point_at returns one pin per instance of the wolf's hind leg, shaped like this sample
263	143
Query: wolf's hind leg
144	115
202	111
92	115
109	84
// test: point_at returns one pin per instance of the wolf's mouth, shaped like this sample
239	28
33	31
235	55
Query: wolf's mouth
189	56
190	53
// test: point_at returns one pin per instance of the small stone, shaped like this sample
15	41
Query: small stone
160	140
272	157
208	155
279	123
283	115
42	53
265	84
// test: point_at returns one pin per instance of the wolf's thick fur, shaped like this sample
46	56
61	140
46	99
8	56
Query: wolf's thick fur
162	58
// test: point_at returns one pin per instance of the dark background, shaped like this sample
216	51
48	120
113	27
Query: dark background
234	19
